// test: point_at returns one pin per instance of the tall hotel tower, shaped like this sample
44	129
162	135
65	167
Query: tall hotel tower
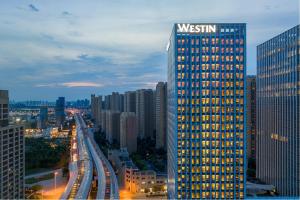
278	112
206	104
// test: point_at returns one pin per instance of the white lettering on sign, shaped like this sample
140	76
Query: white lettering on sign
196	28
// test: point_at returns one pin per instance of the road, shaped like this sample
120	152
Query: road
49	191
90	161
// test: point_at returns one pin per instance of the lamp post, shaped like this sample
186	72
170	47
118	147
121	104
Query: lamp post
55	174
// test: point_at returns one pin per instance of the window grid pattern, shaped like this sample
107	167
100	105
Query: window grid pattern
278	112
210	82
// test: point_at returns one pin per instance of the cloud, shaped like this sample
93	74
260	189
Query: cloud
122	45
46	36
71	84
66	13
33	8
82	84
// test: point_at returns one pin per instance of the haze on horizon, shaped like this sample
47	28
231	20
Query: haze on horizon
54	48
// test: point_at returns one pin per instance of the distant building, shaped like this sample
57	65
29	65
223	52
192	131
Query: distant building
96	108
113	126
115	101
121	103
81	104
60	111
12	159
145	113
103	120
128	131
107	124
129	101
43	117
161	115
278	112
107	101
251	117
93	105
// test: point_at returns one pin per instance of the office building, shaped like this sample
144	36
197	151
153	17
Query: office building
60	111
129	101
145	113
128	131
278	112
251	117
96	108
206	111
161	115
43	117
12	159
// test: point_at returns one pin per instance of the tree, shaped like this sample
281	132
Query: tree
65	171
37	188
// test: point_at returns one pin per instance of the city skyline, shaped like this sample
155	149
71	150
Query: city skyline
65	50
142	99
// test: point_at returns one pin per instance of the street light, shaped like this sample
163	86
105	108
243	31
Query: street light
55	174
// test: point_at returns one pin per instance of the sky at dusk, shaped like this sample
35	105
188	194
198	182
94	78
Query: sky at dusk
51	48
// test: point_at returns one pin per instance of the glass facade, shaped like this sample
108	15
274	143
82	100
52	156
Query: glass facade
206	111
278	112
251	118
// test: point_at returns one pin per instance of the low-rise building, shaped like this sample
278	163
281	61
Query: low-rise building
133	179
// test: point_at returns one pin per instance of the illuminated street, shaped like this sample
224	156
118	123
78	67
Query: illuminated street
49	191
83	151
54	194
126	195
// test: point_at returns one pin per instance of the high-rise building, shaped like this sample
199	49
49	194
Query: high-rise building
154	114
121	103
107	101
115	101
96	108
144	113
161	115
93	105
103	120
60	111
113	126
251	117
12	169
128	131
107	121
129	101
278	112
43	117
206	111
